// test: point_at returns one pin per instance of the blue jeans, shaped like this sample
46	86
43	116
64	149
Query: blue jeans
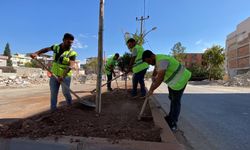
109	76
139	77
175	105
54	89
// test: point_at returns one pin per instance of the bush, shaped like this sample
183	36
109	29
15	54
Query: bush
198	73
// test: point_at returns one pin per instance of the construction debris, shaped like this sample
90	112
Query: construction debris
242	80
17	81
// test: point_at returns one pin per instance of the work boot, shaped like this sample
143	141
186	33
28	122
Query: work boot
172	125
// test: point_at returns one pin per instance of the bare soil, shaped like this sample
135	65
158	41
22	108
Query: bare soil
118	120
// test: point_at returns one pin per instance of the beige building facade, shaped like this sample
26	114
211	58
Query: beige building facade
238	50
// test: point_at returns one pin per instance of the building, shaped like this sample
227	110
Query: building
3	61
237	49
192	59
88	60
19	60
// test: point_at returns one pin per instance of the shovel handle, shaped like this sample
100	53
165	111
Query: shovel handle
63	84
108	82
143	107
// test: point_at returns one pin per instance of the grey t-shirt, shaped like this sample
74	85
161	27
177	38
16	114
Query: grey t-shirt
162	65
134	52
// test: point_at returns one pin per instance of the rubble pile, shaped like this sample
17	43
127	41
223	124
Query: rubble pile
242	80
91	77
17	81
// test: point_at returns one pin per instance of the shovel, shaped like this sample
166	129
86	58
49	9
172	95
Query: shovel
101	86
145	118
84	102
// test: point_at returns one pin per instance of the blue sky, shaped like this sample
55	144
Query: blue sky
29	25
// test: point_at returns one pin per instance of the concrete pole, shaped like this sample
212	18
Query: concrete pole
100	59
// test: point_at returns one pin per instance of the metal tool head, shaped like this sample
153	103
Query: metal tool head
87	103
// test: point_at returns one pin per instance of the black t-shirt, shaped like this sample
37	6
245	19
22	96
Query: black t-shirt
72	58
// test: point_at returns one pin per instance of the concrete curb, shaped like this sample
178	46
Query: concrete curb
81	143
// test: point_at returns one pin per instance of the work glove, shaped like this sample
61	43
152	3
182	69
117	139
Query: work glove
153	79
34	55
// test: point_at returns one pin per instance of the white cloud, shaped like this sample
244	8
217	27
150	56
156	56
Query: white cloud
95	36
83	35
78	44
202	45
198	42
87	35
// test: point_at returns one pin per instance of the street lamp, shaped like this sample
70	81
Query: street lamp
154	28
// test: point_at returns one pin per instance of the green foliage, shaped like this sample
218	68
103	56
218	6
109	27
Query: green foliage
33	64
7	52
214	60
138	38
178	51
198	72
91	67
28	64
123	62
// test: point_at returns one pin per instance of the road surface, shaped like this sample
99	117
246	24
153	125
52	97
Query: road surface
24	102
213	117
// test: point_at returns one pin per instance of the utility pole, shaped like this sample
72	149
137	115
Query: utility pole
100	58
142	21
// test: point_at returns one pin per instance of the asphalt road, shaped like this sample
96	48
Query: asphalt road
213	117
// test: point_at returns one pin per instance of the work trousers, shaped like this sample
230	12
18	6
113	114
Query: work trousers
54	89
175	104
109	76
139	78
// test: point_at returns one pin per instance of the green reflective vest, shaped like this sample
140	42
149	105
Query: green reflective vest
59	66
110	62
139	65
176	75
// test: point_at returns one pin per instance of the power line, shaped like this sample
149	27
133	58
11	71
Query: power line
148	44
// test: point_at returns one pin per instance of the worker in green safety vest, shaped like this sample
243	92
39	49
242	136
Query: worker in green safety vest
138	67
175	75
109	69
63	62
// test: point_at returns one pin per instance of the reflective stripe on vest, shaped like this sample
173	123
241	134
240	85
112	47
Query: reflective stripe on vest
138	62
176	75
59	66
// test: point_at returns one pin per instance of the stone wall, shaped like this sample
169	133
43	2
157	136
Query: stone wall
30	72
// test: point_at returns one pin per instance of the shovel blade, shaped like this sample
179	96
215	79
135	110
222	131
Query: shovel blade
87	103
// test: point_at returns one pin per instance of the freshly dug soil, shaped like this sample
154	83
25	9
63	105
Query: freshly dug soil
118	120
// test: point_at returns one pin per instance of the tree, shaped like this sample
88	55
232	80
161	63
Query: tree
34	64
178	51
123	62
91	66
7	52
214	60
